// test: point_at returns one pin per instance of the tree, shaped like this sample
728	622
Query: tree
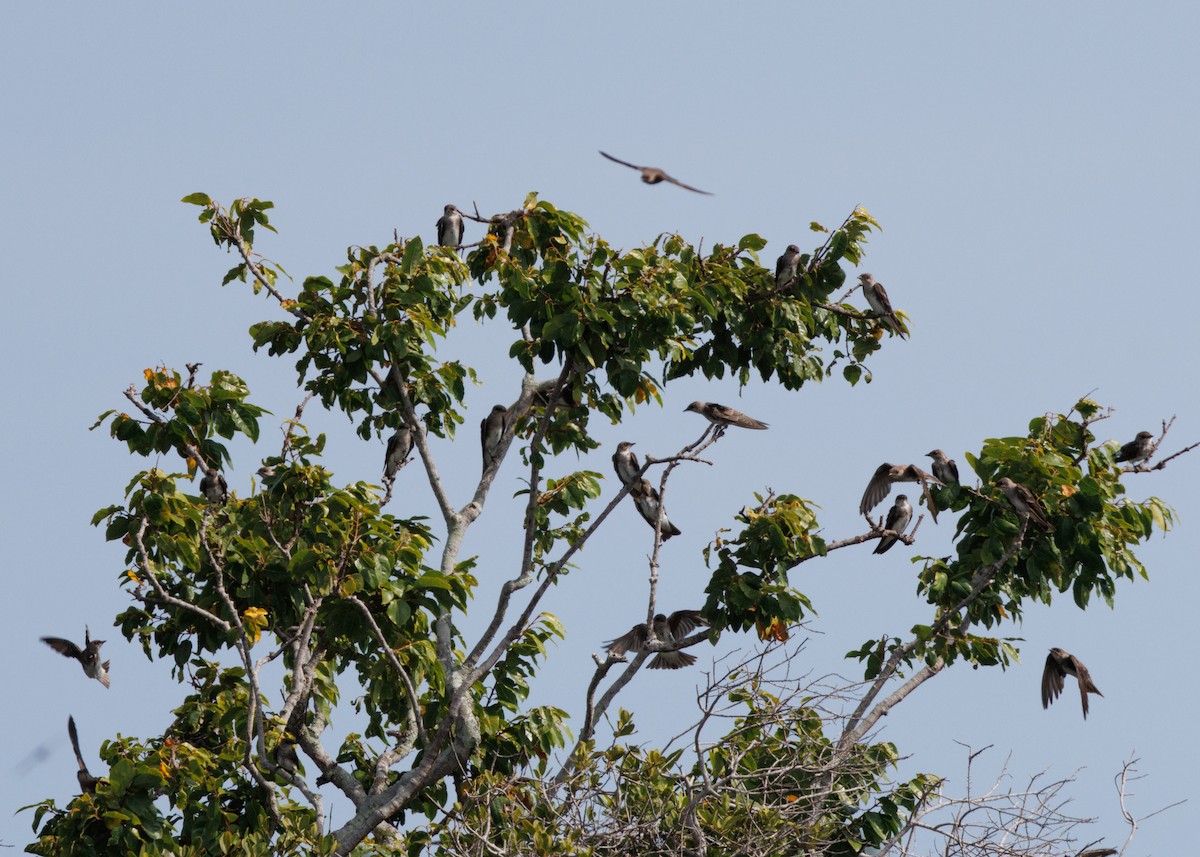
347	596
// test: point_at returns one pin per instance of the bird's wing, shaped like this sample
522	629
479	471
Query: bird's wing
682	185
1081	675
64	647
1052	681
736	418
632	641
619	161
881	295
1086	685
877	489
683	622
75	742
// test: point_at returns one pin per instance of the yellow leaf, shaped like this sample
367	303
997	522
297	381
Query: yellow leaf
132	576
1068	490
255	613
148	373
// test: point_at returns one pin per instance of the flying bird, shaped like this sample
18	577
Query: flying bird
787	266
723	417
1097	852
944	469
669	630
1025	503
649	503
86	781
626	463
885	476
653	175
213	487
399	446
88	656
1138	449
491	430
897	521
877	297
450	227
1059	665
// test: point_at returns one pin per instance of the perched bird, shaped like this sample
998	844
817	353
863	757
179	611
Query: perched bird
491	430
653	175
213	487
648	503
626	463
885	476
722	417
897	521
669	629
1025	503
877	297
450	227
567	397
787	266
1138	449
399	446
285	756
1059	665
944	469
86	781
88	656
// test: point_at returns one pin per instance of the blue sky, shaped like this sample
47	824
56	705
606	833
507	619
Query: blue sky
1033	167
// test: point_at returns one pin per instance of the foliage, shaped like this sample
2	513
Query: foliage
359	603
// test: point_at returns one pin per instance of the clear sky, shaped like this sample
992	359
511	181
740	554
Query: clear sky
1034	169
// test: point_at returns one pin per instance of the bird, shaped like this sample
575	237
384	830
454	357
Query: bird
285	756
213	487
491	430
648	503
722	416
399	446
669	629
88	656
885	476
653	175
1059	665
567	397
877	297
1138	449
1097	852
86	781
450	227
787	266
1025	503
897	521
944	469
626	463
